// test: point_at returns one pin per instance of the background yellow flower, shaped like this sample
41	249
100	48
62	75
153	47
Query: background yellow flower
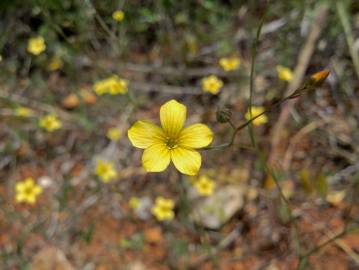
105	170
27	191
134	202
50	122
172	141
229	63
112	85
36	45
204	185
114	134
163	209
55	63
212	84
118	15
256	111
284	73
23	112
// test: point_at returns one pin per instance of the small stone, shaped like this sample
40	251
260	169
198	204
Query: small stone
50	258
214	211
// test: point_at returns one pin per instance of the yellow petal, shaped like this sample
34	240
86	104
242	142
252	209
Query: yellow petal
173	116
37	190
156	158
20	186
19	197
195	136
144	134
29	182
186	161
31	198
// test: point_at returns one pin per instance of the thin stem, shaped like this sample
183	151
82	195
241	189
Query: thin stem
251	80
344	20
245	124
304	258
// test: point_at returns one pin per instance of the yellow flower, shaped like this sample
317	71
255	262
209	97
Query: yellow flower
50	122
172	141
134	202
118	15
55	63
284	73
27	191
204	186
163	209
212	84
36	45
256	111
112	85
114	134
23	112
105	171
229	63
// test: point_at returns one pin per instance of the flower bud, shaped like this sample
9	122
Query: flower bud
319	77
223	115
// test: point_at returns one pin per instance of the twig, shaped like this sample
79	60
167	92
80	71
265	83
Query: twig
181	71
304	258
342	245
226	242
31	102
343	173
344	20
293	143
170	89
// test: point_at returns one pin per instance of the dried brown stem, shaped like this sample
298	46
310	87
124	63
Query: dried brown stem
303	62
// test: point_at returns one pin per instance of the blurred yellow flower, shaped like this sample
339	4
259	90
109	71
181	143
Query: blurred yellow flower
256	111
134	202
114	134
36	45
163	209
105	171
27	191
113	85
50	122
212	84
172	141
23	112
335	197
55	63
229	63
284	73
118	15
204	186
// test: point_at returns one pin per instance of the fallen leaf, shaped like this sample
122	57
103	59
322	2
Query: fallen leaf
50	258
153	235
71	101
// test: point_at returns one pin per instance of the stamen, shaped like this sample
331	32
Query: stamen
171	143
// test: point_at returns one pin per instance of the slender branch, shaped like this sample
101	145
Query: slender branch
343	17
251	79
304	258
306	87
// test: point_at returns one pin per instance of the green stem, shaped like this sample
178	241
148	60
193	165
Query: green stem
251	80
344	20
247	123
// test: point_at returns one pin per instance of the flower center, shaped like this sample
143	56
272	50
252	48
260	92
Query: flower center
171	143
28	191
